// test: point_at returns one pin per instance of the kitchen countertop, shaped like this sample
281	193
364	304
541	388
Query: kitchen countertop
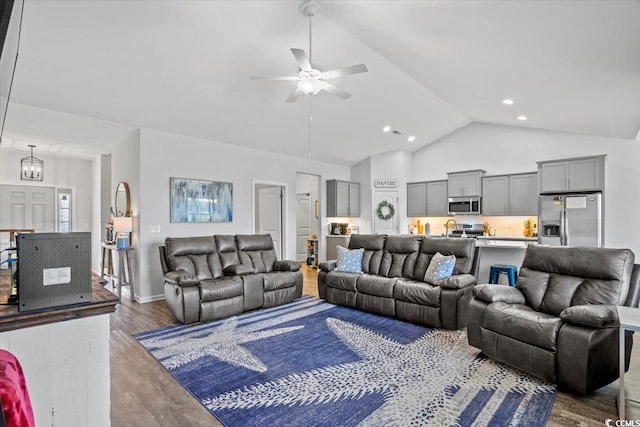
515	239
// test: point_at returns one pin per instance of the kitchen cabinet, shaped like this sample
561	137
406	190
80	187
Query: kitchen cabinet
523	194
437	203
495	195
514	194
466	183
427	198
343	198
416	199
578	174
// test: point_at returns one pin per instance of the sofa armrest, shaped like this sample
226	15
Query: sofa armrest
328	265
495	293
286	265
594	316
458	281
181	278
238	270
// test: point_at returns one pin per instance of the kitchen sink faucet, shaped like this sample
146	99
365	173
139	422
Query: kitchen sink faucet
446	225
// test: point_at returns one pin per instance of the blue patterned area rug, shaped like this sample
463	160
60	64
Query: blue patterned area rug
310	363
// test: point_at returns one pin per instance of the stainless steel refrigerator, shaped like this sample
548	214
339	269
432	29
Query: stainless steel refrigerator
571	220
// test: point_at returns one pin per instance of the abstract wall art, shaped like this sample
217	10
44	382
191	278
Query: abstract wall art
194	200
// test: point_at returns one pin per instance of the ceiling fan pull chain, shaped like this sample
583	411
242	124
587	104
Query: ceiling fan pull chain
310	119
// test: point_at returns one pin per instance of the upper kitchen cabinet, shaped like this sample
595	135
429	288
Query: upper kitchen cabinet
343	198
427	198
466	183
495	195
578	174
515	194
437	198
416	199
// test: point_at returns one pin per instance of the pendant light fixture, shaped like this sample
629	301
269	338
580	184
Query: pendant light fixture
31	168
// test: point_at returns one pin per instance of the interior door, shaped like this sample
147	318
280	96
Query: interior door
26	207
389	226
270	215
303	224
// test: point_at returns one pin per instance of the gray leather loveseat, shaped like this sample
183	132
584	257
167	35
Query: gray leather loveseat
560	321
392	282
212	277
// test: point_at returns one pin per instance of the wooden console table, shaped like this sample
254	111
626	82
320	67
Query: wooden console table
125	275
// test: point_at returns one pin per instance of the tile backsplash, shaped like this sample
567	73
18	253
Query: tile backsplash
505	226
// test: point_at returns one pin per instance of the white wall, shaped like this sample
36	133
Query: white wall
125	167
505	149
361	172
164	155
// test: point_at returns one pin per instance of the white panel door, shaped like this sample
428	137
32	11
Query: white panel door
389	226
270	215
303	224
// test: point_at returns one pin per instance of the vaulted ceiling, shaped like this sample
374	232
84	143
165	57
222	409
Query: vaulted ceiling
90	71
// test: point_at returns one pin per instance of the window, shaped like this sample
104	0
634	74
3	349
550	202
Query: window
64	211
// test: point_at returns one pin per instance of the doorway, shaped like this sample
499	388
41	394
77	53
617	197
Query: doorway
269	213
307	211
385	226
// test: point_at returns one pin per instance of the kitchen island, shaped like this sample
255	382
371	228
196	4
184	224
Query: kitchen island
500	250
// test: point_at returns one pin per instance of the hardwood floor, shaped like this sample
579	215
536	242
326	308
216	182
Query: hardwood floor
144	394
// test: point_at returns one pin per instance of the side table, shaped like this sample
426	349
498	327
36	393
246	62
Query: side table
629	321
125	275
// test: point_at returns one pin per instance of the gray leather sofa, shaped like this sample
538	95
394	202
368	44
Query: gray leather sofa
560	321
392	282
212	277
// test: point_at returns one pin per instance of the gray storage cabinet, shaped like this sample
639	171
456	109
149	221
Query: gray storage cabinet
466	183
577	174
343	198
515	194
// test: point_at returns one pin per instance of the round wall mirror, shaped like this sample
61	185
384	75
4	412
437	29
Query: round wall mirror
123	202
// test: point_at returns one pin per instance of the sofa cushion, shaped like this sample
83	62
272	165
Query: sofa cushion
218	289
227	251
522	323
349	260
238	270
376	285
196	255
415	292
257	251
279	280
373	245
580	275
342	281
440	267
463	249
399	256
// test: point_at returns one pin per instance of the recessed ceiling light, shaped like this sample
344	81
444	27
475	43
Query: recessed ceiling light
522	117
411	138
386	129
507	101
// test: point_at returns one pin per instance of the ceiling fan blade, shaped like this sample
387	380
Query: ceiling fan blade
302	59
334	90
339	72
275	78
295	95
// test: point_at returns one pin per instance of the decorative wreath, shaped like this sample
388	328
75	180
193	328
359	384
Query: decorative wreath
391	210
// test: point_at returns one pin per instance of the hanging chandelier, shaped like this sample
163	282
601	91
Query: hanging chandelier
31	168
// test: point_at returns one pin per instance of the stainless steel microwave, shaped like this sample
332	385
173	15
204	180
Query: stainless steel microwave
464	205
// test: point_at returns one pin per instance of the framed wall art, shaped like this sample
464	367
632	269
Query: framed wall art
195	200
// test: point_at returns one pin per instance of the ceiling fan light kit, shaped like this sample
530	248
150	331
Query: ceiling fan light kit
311	79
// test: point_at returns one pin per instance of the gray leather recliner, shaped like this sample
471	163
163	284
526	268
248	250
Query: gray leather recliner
392	282
212	277
560	322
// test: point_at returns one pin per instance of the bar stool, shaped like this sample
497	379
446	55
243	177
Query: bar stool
497	269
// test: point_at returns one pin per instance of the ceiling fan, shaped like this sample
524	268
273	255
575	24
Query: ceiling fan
311	79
